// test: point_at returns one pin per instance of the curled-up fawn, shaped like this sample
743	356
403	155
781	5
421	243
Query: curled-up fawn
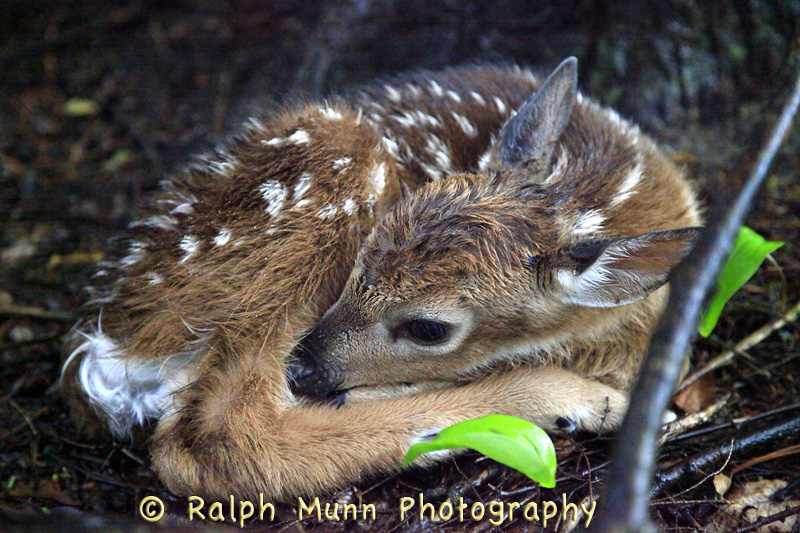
380	252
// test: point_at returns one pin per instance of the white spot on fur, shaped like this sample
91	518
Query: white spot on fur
501	106
465	125
454	96
436	89
299	137
433	173
377	178
477	97
330	114
628	185
254	124
190	245
136	253
274	193
410	119
162	222
302	185
392	93
560	166
223	237
440	152
391	146
275	141
344	162
128	390
186	208
327	212
303	203
414	90
590	222
223	168
350	206
483	162
153	278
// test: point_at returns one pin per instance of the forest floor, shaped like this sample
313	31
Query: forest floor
99	101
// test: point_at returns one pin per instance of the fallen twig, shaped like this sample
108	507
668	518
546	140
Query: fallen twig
789	450
761	522
624	506
706	460
743	345
692	421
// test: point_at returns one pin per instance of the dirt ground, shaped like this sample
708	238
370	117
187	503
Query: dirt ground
101	100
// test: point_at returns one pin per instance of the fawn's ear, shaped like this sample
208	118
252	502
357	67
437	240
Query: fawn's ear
528	139
613	272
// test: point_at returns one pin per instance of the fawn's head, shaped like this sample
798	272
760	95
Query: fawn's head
477	268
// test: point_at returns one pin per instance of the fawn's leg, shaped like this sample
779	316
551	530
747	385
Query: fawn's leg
238	443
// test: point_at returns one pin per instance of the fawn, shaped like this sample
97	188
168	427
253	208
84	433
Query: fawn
385	252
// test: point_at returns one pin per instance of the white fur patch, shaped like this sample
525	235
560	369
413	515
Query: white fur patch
153	278
126	389
501	106
136	253
626	189
477	97
440	152
190	245
223	168
391	146
589	222
223	237
454	96
377	178
392	93
436	89
162	222
302	185
328	212
274	193
483	162
185	208
465	125
254	124
350	206
330	114
560	166
414	90
298	137
342	163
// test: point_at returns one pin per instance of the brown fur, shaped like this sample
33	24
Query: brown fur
483	241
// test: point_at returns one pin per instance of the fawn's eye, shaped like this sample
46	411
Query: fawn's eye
426	332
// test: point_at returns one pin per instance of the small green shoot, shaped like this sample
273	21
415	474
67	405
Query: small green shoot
748	253
512	441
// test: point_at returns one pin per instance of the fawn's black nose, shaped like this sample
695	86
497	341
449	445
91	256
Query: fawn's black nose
307	377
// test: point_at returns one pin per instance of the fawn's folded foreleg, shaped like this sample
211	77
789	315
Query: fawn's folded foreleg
238	444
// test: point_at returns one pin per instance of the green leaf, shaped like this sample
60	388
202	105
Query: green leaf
748	253
80	107
506	439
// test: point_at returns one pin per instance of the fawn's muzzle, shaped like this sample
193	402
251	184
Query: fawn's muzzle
307	377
